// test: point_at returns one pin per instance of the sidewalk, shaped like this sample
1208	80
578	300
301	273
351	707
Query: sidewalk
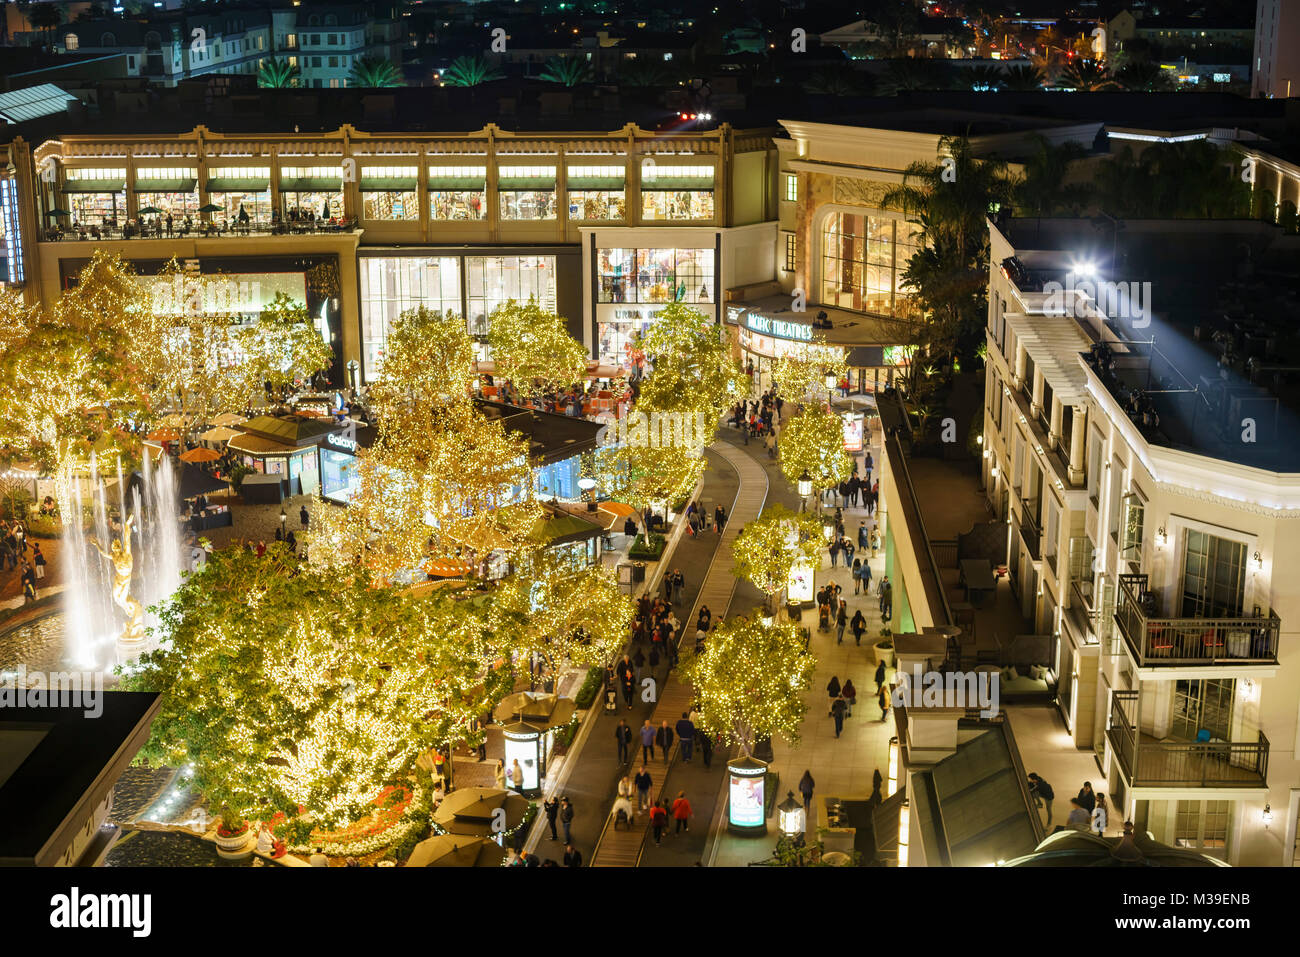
592	780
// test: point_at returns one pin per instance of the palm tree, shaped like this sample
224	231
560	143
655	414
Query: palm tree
912	74
277	74
1042	191
470	71
1086	76
837	80
950	201
1143	76
567	71
984	78
1051	49
370	71
1023	79
644	73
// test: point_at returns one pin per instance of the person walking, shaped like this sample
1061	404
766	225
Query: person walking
658	820
647	741
841	621
682	813
1043	792
686	735
886	600
664	738
572	856
875	531
880	676
1100	817
1079	818
552	808
859	625
882	699
838	707
850	696
1087	800
626	681
833	688
679	583
806	787
38	560
834	549
857	575
705	740
566	818
623	735
642	782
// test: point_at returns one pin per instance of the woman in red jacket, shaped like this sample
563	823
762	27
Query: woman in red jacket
682	813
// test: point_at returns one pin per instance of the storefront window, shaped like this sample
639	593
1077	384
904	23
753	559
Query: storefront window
676	192
338	475
456	204
526	192
173	190
863	261
492	280
392	284
558	480
318	204
617	328
655	275
179	205
587	204
390	205
97	209
256	204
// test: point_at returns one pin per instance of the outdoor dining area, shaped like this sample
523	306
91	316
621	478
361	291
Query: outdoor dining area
477	812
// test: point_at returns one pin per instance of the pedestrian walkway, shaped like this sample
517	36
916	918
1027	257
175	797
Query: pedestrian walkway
626	848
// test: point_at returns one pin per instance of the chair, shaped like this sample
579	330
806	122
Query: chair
1212	642
1161	641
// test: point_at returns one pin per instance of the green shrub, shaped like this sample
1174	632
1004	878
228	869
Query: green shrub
647	551
591	686
43	526
238	474
564	737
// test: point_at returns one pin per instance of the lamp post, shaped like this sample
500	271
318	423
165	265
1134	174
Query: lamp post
804	487
791	816
283	519
585	485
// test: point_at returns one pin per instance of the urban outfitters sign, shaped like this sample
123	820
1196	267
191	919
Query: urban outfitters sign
779	327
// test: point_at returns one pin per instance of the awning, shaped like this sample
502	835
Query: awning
677	182
165	185
390	183
195	481
563	528
256	445
311	184
94	186
597	182
440	181
526	182
240	185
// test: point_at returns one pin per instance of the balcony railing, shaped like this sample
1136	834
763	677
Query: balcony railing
1155	642
1152	763
1030	533
197	231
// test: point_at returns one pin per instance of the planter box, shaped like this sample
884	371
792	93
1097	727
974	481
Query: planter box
236	848
884	654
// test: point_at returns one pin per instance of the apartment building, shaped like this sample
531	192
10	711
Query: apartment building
605	228
1137	412
322	40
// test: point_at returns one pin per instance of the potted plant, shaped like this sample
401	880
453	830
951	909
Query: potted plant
884	649
234	836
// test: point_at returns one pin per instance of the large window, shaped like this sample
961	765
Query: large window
526	192
392	284
457	192
390	192
491	280
596	192
172	190
677	192
1214	576
235	187
96	196
1202	825
655	275
863	260
312	192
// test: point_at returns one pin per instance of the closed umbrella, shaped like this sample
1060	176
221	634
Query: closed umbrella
58	212
210	208
149	211
200	455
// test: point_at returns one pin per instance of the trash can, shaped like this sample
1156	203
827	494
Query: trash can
794	610
638	572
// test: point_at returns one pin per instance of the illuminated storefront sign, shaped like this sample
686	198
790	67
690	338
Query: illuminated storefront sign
781	328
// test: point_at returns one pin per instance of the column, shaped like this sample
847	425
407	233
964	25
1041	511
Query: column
1021	365
1054	416
1078	445
1036	404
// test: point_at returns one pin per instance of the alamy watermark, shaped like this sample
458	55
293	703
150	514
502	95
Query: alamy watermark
1117	300
20	688
948	689
657	430
187	296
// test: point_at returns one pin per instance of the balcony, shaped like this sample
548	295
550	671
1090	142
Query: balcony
231	229
1165	642
1081	610
1149	762
1030	533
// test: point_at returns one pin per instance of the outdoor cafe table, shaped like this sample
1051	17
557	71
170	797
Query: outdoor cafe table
977	576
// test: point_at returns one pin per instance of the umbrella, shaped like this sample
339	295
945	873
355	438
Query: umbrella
456	850
228	418
58	212
220	434
471	811
164	435
149	211
210	208
200	455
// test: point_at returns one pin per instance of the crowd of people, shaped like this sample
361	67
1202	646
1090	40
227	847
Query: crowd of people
1089	811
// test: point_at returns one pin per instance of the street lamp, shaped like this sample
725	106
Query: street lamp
283	518
585	485
804	487
830	382
791	817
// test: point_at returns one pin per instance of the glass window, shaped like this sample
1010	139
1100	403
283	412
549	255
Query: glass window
676	204
527	204
256	204
791	249
655	275
791	187
97	209
392	284
491	280
589	204
391	204
1214	576
320	204
863	260
458	204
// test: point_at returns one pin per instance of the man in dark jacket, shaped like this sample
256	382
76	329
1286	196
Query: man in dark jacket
686	734
1043	791
572	856
623	734
552	808
1087	799
880	676
664	738
643	783
837	712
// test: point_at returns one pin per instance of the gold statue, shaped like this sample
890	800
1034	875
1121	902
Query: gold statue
123	562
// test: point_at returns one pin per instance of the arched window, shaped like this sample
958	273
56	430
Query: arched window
71	42
108	40
313	21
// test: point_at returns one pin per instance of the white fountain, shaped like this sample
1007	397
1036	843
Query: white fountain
117	571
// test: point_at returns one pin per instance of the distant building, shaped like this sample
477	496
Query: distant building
1277	49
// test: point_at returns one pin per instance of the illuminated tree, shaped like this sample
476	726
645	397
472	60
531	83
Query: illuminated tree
533	349
428	360
750	681
769	548
645	476
283	686
804	373
553	611
692	369
813	442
